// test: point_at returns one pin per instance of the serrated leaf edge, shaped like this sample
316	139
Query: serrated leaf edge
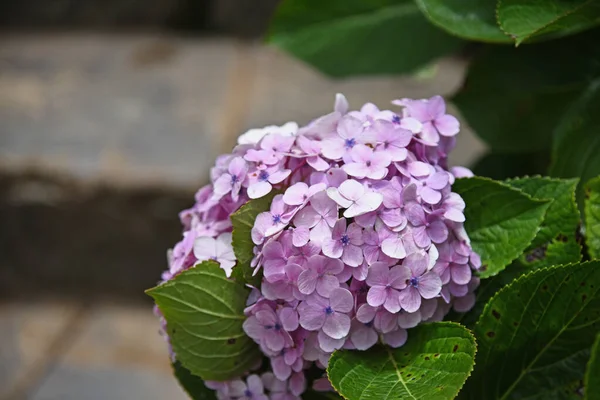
445	323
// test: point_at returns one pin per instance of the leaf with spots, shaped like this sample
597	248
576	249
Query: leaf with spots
592	374
500	220
535	335
433	365
192	384
592	217
562	216
243	246
526	19
204	312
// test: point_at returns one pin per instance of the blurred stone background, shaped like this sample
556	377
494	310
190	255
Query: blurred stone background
111	113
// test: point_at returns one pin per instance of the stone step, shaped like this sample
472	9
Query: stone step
104	138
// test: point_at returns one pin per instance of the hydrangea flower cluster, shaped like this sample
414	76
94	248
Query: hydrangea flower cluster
363	240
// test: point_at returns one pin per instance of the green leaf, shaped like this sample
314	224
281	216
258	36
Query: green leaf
192	384
577	142
524	19
433	364
592	375
501	221
562	216
535	335
243	246
592	217
351	37
514	98
204	312
468	19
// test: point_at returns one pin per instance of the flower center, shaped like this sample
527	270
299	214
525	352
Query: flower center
345	240
263	176
349	143
368	163
276	219
396	119
234	179
414	282
328	310
277	327
247	393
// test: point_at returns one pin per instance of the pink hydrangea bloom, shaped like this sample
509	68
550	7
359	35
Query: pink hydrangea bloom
363	241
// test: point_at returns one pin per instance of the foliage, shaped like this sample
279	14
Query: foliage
433	364
204	312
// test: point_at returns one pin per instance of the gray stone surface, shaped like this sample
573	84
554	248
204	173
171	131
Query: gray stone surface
108	383
145	109
157	110
117	354
30	333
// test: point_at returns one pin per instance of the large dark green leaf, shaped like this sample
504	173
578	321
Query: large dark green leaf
192	384
592	375
501	221
525	19
514	98
562	216
350	37
592	217
577	139
534	336
432	365
469	19
243	246
554	244
204	312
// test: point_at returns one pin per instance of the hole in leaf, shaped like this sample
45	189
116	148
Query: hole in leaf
455	348
496	314
491	334
231	341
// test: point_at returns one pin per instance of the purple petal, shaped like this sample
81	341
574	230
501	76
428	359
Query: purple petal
410	299
385	321
307	281
281	370
301	236
376	296
438	180
352	255
329	344
398	276
341	104
356	169
464	303
368	202
337	325
279	176
341	300
333	248
364	337
430	285
447	125
393	247
454	215
296	194
259	189
326	284
392	303
364	314
311	318
461	273
378	275
421	237
430	196
436	107
289	319
351	190
396	338
437	231
409	320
